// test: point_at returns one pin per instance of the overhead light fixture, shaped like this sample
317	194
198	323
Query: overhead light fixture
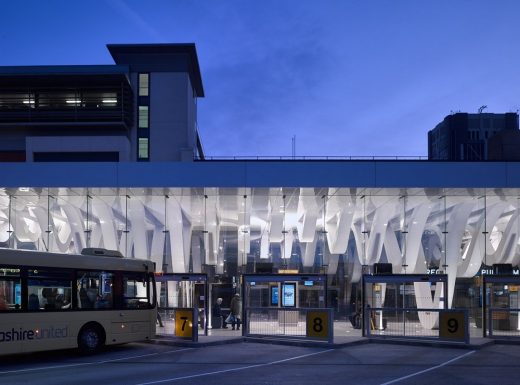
112	101
73	101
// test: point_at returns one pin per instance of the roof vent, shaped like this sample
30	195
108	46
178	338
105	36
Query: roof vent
101	252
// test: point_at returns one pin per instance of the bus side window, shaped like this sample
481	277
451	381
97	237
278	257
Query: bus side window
94	289
135	288
3	302
10	289
49	285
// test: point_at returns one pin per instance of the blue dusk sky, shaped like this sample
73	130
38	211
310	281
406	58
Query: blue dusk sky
345	77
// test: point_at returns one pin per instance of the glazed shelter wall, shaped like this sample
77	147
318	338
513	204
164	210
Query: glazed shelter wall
227	218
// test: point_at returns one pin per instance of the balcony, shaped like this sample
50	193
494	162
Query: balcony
67	101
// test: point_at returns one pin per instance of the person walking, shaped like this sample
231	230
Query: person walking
159	319
235	309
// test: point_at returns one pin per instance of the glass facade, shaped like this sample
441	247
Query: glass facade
227	232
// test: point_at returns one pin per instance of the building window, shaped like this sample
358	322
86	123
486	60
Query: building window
144	84
143	151
143	116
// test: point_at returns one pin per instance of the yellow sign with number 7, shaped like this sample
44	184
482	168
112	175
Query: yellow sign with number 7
184	323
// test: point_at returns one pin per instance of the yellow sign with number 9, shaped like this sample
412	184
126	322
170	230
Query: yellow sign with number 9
451	325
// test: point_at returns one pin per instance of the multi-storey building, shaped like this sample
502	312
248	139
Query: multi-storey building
470	137
143	108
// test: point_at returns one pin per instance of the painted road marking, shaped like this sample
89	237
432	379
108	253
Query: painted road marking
233	369
91	363
430	369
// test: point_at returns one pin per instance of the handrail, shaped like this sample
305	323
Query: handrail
316	157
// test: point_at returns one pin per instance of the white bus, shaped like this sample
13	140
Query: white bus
57	301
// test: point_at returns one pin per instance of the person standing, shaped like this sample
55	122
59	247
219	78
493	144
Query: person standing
236	311
217	315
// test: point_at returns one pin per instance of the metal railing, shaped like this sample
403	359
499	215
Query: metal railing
503	322
398	322
290	323
409	323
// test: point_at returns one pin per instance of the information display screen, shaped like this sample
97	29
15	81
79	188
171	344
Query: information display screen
18	294
274	295
289	295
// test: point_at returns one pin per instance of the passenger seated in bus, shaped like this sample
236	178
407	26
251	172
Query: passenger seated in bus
102	302
67	304
34	302
108	300
84	300
61	302
3	303
92	291
49	298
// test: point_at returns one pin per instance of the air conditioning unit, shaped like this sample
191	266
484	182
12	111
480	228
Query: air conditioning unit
101	252
503	269
382	268
264	268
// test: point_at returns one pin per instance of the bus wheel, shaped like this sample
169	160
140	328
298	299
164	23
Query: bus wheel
90	339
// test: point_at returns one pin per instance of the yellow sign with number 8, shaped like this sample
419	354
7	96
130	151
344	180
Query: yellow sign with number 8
318	324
